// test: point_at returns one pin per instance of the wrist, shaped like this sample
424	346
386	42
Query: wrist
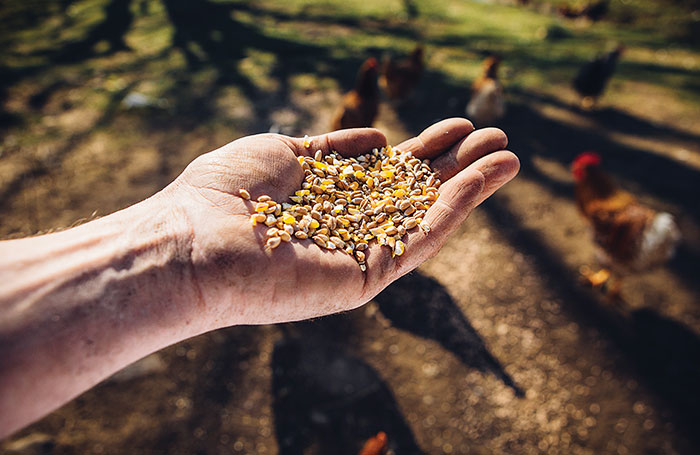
157	238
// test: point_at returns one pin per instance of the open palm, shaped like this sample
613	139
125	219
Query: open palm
240	282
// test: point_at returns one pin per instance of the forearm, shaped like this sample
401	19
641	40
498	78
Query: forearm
78	305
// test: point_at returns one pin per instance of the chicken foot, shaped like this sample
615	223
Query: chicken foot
604	280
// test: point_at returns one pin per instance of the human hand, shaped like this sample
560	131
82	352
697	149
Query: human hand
239	282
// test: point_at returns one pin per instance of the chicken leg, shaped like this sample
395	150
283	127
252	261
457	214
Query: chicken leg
595	279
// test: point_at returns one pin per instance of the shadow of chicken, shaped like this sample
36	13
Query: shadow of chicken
592	78
630	237
360	105
487	103
400	76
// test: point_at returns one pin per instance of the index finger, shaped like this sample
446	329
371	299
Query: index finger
437	138
347	142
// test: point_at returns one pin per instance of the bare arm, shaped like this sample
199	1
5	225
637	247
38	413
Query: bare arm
77	306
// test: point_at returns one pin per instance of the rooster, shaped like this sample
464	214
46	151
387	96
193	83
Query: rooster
400	76
376	445
631	237
487	103
594	75
360	105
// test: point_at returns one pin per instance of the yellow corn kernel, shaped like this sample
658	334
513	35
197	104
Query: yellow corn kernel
359	175
300	159
257	218
314	224
387	175
288	219
399	193
320	165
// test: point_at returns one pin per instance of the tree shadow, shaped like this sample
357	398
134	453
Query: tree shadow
664	354
112	30
638	170
47	165
421	305
611	118
325	397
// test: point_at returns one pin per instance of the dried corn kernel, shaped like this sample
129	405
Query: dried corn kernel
399	248
257	218
273	242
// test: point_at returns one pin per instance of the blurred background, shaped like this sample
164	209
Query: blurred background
506	342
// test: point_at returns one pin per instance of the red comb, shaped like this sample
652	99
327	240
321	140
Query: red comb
371	62
582	161
588	158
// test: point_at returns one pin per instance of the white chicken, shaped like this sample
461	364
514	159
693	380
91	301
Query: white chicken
487	104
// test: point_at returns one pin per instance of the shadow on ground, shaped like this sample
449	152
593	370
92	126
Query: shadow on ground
325	397
420	305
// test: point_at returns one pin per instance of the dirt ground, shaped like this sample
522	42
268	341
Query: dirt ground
493	346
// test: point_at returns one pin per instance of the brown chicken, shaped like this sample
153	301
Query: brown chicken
376	445
360	105
487	103
594	11
570	12
400	76
630	236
